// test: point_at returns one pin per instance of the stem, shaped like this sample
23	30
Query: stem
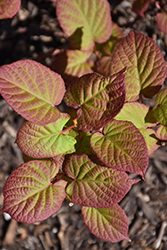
72	126
61	176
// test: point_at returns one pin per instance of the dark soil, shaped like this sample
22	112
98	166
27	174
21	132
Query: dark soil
34	33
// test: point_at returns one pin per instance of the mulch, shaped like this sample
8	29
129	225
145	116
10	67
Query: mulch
34	33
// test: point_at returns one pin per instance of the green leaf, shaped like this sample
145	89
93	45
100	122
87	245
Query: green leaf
84	22
32	90
140	115
146	67
93	185
45	141
99	99
29	195
9	8
150	139
161	133
71	64
121	146
160	111
137	113
109	224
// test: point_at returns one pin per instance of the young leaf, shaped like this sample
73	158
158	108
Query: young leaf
161	133
121	146
99	99
140	116
140	6
45	141
84	22
161	19
9	8
32	90
137	113
29	195
160	111
146	67
109	224
93	185
72	64
103	65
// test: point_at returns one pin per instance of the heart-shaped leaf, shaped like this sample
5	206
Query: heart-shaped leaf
32	90
121	146
109	224
99	99
9	8
84	22
160	111
161	19
146	67
45	141
72	64
93	185
140	115
29	195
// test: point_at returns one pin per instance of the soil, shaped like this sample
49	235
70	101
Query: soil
34	33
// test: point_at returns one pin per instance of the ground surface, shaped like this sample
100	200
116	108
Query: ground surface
31	34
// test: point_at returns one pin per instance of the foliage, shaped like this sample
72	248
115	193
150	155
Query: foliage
83	154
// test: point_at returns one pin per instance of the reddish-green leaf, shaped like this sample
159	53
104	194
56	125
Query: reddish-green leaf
45	141
99	99
72	64
114	40
109	224
29	195
121	146
161	19
93	185
84	22
146	67
140	116
160	111
32	90
161	133
140	6
9	8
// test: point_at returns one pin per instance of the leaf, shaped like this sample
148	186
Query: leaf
109	224
93	185
99	99
146	67
32	90
45	141
137	113
140	6
161	19
161	133
114	40
150	139
82	25
72	64
9	8
121	146
160	111
29	195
